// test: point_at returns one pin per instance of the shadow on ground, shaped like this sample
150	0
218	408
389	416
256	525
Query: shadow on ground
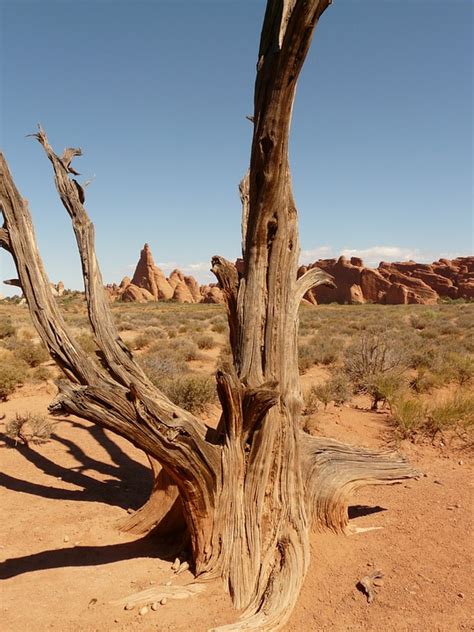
129	484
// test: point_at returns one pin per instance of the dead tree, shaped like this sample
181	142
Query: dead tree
250	491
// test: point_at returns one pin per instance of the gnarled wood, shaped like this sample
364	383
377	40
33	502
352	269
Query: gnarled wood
335	470
250	490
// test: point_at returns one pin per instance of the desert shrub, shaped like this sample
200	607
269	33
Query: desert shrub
372	355
337	389
341	388
321	393
424	381
86	342
311	401
191	392
219	326
430	333
325	350
6	329
452	412
305	357
41	374
162	366
225	360
141	341
125	324
184	347
205	341
32	354
29	428
384	387
155	332
422	357
420	321
408	415
13	372
460	367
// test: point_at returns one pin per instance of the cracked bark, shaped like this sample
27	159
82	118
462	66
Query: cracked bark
250	492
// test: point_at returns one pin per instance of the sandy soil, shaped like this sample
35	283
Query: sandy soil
63	560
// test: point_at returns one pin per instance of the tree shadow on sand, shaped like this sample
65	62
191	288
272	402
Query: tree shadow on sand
129	484
147	547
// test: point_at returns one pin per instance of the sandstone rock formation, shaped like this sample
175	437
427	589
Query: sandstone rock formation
394	283
58	289
150	284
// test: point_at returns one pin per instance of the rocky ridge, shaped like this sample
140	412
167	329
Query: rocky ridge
397	283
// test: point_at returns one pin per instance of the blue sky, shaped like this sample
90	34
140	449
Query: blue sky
156	94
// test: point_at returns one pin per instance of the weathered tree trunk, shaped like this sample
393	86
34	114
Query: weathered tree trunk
249	492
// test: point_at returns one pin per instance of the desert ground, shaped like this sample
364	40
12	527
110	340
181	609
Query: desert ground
66	484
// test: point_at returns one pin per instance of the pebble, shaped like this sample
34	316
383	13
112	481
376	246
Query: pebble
460	462
168	584
130	510
164	601
437	481
183	567
66	538
461	595
129	606
176	564
155	605
143	611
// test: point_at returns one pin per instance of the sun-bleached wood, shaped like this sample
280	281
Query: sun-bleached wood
249	491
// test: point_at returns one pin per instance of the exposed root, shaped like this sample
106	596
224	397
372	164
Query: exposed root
282	590
334	470
159	592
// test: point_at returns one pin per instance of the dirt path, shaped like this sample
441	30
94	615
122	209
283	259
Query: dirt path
63	559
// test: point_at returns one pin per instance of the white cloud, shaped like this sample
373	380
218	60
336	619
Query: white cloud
375	254
320	252
199	269
371	255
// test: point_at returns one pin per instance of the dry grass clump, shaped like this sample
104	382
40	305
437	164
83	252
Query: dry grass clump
28	428
206	341
192	392
413	416
7	329
337	389
32	354
13	373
